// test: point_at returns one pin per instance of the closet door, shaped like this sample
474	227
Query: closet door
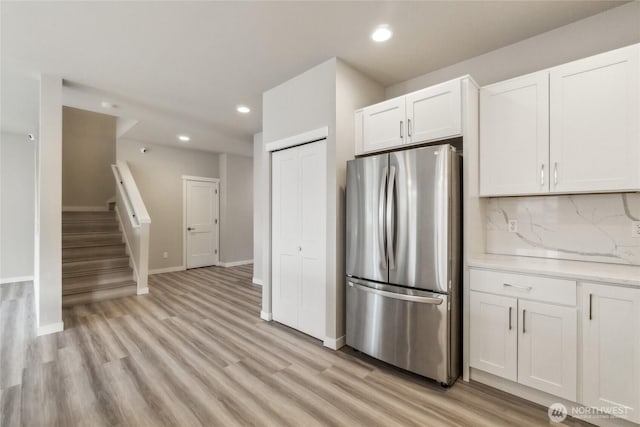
286	268
299	209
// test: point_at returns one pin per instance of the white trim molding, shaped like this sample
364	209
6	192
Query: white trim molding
51	328
142	291
334	344
199	178
266	316
85	209
235	263
302	138
167	270
16	279
257	281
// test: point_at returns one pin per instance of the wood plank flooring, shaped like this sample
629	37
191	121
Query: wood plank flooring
195	352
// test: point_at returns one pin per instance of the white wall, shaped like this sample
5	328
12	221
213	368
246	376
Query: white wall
259	200
236	209
48	210
611	29
325	95
158	174
88	151
17	188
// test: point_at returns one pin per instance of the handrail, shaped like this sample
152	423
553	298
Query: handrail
125	197
134	205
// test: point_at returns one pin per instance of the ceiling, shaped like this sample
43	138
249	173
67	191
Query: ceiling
183	67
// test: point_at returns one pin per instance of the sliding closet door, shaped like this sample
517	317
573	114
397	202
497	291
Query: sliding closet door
299	237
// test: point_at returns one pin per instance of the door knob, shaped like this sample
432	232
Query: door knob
190	229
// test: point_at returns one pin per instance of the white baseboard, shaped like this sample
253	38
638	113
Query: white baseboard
257	281
85	209
235	263
334	344
166	270
266	316
16	279
142	291
51	328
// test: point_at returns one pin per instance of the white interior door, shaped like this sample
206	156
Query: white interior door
202	223
299	237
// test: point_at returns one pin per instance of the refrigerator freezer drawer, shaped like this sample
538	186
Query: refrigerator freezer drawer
406	328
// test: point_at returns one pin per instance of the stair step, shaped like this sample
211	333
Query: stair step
77	254
89	286
97	277
100	293
84	240
90	226
90	266
88	216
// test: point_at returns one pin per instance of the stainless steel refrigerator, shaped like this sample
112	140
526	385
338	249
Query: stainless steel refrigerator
404	259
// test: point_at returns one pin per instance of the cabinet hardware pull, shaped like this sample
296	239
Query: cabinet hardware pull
401	123
555	173
542	175
590	306
524	317
510	308
299	248
409	127
524	288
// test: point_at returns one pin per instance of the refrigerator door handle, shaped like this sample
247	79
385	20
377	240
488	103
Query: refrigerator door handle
393	295
391	218
381	219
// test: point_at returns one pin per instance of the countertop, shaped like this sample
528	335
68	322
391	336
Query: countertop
578	270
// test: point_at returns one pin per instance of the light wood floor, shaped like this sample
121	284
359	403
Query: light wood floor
195	352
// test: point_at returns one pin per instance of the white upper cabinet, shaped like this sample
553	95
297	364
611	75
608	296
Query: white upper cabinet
581	133
430	114
611	349
595	115
434	113
383	125
514	155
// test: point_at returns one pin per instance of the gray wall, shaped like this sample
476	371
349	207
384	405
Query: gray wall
17	197
88	151
614	28
236	208
158	174
259	203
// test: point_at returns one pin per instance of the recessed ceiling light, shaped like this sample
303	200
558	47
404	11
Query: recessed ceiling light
243	109
382	33
184	138
107	104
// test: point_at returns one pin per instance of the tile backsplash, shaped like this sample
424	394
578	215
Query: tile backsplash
589	227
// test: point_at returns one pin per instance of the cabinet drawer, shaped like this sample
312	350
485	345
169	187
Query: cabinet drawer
558	291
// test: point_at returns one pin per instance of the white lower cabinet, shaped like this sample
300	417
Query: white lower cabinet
611	349
533	343
547	348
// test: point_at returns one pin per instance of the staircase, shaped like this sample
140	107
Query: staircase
95	265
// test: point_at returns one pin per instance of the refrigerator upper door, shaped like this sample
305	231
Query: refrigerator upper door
366	205
419	217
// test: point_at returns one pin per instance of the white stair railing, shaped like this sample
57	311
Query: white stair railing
135	222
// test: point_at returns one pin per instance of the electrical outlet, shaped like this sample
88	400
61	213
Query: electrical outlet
635	228
513	226
165	255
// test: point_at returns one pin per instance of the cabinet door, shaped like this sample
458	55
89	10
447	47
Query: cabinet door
514	136
547	348
595	117
434	113
611	349
494	337
384	125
